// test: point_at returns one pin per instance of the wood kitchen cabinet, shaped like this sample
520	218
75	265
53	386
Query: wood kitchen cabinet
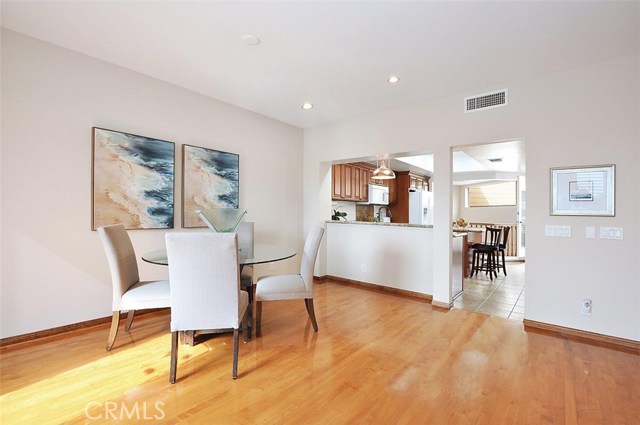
347	181
350	182
336	182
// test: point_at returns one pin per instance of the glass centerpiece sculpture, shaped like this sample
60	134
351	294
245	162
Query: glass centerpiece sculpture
222	220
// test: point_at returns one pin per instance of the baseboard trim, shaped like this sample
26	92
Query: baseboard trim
606	341
54	332
440	304
320	279
382	288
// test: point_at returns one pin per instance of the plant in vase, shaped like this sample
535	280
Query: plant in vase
337	215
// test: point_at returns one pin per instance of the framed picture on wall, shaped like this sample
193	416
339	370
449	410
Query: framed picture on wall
132	180
583	190
210	179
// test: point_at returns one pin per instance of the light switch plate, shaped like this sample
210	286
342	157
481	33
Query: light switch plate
590	232
562	231
616	233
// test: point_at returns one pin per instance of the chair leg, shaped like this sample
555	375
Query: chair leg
115	322
249	319
504	265
234	372
245	326
258	318
312	314
129	320
174	357
474	258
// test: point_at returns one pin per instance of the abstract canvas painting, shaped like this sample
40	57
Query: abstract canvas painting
210	179
133	180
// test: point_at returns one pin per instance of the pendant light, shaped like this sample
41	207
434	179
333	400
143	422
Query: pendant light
383	172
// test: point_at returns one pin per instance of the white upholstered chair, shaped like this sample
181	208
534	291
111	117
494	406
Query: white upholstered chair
245	244
129	293
292	286
205	288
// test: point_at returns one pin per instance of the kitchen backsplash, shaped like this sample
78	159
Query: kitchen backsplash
365	212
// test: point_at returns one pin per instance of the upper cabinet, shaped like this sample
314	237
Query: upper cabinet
417	181
350	182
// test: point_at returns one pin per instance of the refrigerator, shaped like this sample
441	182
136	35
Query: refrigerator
420	207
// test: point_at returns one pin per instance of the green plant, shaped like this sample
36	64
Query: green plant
337	215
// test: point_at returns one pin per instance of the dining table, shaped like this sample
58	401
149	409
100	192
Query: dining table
262	253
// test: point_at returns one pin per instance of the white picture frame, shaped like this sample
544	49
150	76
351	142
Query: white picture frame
583	190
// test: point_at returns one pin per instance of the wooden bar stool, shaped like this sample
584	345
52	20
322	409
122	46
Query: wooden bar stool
485	255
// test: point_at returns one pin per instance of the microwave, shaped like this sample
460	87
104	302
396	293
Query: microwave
378	195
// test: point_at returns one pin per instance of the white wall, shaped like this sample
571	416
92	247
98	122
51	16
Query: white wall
581	116
54	271
455	204
403	261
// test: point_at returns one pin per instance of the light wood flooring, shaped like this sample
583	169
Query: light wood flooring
504	296
377	359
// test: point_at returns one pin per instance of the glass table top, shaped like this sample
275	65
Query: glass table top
262	253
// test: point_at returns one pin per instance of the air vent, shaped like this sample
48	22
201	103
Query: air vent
486	101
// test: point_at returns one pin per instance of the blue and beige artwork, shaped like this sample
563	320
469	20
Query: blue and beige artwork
210	180
132	180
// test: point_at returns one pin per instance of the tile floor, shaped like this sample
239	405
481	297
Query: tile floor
504	296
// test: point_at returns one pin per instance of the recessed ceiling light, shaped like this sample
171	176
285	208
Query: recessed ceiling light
393	79
307	105
251	39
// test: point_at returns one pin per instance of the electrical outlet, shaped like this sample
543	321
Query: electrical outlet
363	268
270	266
587	305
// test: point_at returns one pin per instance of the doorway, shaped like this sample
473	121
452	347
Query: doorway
489	190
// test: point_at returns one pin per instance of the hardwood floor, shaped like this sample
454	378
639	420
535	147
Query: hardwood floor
377	359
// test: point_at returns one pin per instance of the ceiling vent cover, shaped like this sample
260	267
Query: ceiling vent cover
486	101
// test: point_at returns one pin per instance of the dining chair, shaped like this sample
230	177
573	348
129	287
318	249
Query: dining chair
205	288
485	254
292	286
245	244
129	293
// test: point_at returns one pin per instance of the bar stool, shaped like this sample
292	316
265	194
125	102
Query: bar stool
501	247
485	255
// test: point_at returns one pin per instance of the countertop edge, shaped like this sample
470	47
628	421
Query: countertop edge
373	223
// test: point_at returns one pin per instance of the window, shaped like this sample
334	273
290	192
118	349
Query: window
492	195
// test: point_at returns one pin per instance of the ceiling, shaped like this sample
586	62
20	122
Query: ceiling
336	55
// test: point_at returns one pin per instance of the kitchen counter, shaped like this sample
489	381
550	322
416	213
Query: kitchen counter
394	255
379	223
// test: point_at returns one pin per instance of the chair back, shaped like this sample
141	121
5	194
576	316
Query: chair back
492	236
205	281
505	237
245	238
121	258
311	246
